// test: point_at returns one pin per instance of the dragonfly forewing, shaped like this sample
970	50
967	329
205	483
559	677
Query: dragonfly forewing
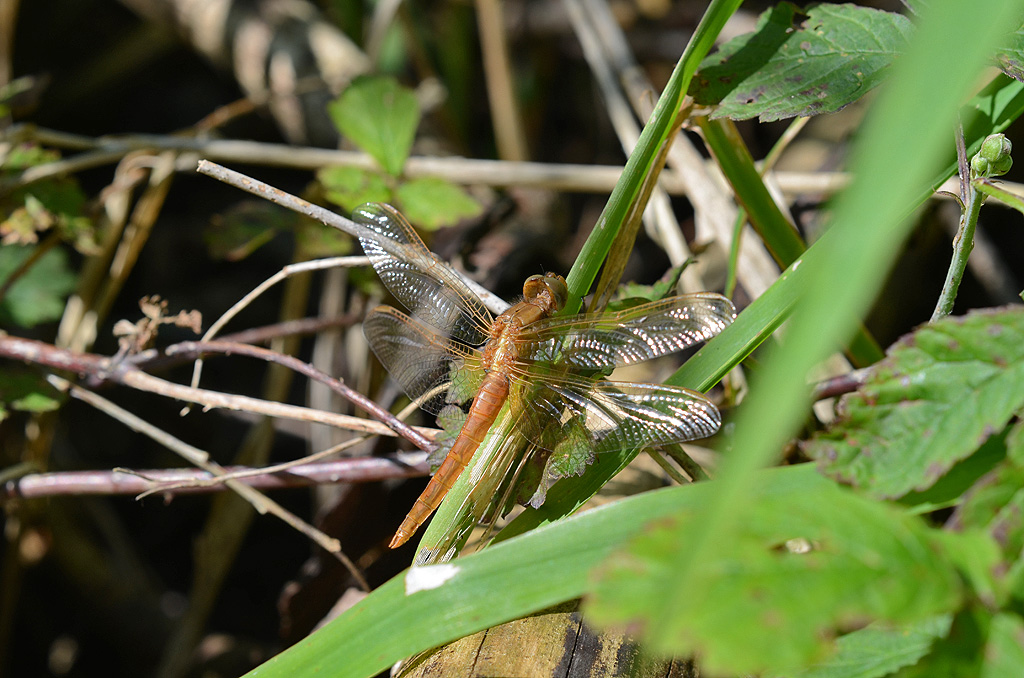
423	283
627	337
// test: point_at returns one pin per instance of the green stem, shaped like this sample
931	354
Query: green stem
963	243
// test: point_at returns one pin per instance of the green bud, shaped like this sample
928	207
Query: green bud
994	157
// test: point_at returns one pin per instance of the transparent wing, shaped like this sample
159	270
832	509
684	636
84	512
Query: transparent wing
422	282
611	415
627	337
420	360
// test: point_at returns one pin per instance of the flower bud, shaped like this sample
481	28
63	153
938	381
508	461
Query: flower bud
994	157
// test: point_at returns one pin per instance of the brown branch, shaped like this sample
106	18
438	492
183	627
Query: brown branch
194	349
120	482
838	385
124	373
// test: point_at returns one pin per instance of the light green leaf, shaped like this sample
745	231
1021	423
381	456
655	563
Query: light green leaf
633	294
787	68
350	187
801	568
879	650
380	116
38	296
431	203
937	397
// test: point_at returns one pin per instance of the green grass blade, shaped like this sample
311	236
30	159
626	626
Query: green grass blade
498	584
626	190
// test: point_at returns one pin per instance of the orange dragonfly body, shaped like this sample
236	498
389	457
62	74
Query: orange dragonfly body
530	359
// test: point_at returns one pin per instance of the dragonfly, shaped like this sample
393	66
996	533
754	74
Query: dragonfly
544	367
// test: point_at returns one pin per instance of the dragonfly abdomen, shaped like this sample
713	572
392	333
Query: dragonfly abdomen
482	413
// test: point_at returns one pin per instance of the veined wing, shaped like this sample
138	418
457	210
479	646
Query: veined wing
627	337
421	281
610	415
419	359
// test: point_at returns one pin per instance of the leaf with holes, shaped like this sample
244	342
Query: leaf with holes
804	567
788	68
936	398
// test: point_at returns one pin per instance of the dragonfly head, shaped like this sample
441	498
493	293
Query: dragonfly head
550	285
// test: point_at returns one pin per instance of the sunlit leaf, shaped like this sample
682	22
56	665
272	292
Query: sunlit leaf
878	650
350	187
23	156
633	294
431	203
788	67
938	396
802	567
56	204
380	116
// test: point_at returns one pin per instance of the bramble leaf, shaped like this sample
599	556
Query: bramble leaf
878	651
804	567
431	203
787	68
350	187
936	399
380	116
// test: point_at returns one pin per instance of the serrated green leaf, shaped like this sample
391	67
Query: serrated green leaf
949	490
878	650
938	396
38	296
571	457
787	68
380	116
802	567
431	203
350	187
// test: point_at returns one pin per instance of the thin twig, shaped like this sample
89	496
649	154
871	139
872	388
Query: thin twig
838	385
284	273
192	481
40	353
554	176
329	218
197	348
200	458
